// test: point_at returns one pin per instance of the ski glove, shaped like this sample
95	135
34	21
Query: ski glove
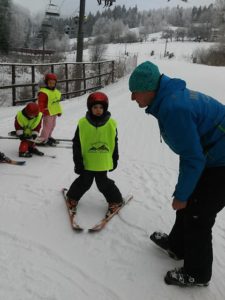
78	170
115	163
22	137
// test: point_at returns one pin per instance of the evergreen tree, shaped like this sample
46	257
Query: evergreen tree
5	6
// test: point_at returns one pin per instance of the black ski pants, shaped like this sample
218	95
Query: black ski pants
105	185
191	235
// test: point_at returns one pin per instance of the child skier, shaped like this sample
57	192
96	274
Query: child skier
95	151
28	125
48	100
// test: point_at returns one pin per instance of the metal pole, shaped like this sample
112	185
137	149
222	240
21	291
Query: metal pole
80	34
80	45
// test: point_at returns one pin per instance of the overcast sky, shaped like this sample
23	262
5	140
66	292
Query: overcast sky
68	7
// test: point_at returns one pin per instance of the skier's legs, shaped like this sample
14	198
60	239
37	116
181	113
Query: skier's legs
24	146
53	125
176	236
207	200
80	185
108	188
48	124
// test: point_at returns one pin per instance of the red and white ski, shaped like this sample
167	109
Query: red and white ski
100	225
10	161
72	215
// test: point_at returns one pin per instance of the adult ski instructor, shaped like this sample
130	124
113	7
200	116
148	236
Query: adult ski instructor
193	125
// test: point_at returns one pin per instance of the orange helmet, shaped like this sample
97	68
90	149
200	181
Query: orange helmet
97	98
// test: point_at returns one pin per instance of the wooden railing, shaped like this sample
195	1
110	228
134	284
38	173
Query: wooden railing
74	79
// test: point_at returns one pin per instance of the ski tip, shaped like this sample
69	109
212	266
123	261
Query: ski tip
15	162
64	189
78	229
92	230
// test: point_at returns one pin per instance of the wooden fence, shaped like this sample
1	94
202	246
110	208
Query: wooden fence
74	79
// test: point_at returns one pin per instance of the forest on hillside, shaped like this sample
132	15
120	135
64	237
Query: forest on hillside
18	29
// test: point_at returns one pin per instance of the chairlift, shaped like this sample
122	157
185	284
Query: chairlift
107	3
52	10
46	23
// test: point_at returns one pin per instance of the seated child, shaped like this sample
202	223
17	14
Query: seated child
27	125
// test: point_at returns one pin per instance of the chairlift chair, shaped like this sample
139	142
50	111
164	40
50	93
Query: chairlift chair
46	23
52	10
107	3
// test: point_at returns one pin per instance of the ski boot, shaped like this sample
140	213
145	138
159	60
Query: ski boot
181	278
25	154
113	207
36	152
162	240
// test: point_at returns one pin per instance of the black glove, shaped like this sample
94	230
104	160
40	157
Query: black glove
115	163
22	137
78	169
34	136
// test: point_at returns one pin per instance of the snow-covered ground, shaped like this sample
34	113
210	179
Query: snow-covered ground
42	258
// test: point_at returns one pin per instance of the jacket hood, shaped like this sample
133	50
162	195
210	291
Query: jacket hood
167	87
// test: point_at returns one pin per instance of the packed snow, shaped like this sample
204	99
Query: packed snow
42	258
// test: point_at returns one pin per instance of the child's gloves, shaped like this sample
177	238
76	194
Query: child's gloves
22	137
34	136
115	163
78	169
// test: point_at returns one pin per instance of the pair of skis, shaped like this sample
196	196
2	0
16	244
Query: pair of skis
100	225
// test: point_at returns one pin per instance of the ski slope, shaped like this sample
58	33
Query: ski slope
42	258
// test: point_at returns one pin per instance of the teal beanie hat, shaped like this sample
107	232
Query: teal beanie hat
145	77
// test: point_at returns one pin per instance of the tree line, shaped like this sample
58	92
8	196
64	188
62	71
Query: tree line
18	29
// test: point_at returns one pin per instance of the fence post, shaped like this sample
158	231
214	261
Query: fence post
99	72
113	70
84	76
13	88
33	80
67	83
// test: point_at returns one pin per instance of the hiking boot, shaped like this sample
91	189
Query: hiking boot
72	204
36	152
162	240
181	278
25	154
113	207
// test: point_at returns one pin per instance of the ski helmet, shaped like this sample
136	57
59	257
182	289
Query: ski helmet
50	76
32	109
97	98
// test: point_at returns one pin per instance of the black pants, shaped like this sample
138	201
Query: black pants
105	185
191	235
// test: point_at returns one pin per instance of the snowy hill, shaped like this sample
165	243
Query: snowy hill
40	256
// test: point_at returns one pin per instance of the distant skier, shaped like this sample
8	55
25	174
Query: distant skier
49	103
28	125
193	126
95	151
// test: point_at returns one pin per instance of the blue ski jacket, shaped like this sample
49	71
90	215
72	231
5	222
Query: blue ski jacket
193	126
